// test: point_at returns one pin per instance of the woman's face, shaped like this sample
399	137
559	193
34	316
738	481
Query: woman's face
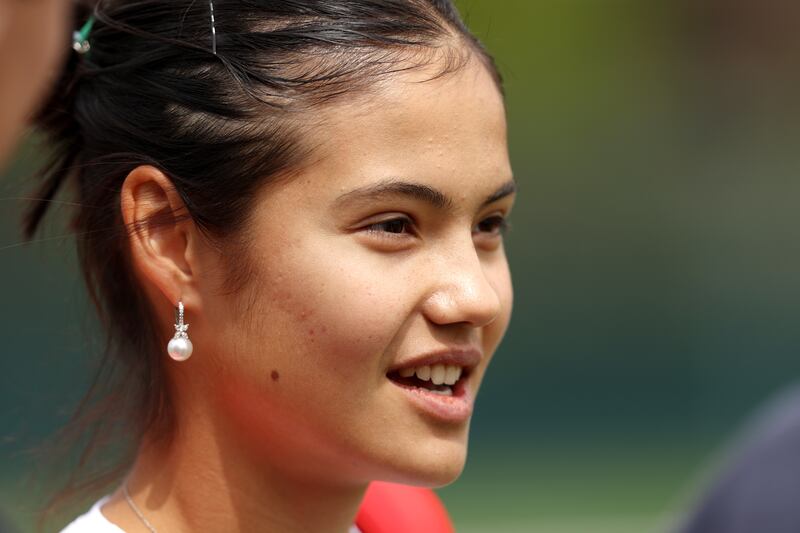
374	269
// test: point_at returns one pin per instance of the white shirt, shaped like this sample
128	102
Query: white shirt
93	521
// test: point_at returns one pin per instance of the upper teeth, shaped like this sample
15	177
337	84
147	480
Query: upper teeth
438	374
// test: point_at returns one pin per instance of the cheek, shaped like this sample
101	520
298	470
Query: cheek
500	278
326	313
308	371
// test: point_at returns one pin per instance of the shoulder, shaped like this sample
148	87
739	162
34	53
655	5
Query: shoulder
92	521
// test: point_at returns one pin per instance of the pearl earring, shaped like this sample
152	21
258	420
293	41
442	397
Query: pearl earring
180	347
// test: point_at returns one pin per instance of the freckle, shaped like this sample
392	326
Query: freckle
275	376
324	329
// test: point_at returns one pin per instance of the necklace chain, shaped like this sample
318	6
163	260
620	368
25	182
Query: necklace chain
148	525
136	509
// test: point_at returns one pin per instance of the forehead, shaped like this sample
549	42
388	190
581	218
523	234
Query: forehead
448	131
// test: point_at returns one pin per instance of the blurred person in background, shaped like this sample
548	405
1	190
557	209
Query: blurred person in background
750	56
32	37
758	487
31	48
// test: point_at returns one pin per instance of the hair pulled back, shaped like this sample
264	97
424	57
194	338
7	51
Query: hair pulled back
152	91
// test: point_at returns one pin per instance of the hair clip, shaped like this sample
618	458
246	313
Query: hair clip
213	28
80	38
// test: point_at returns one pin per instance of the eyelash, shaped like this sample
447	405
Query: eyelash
498	226
406	223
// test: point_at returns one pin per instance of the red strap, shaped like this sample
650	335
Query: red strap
392	508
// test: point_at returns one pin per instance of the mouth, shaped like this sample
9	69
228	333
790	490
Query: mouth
442	380
438	385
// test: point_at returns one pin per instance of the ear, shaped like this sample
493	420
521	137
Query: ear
161	234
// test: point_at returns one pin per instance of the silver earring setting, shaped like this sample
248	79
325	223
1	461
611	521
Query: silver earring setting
180	347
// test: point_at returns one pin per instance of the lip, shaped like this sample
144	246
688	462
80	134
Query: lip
449	409
452	409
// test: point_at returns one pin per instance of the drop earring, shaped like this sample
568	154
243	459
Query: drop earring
180	347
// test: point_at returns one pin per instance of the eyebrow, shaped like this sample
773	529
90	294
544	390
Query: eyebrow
416	191
506	189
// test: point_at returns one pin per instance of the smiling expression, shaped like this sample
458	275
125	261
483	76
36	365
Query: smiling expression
379	288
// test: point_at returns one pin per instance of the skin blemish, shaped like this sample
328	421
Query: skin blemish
275	376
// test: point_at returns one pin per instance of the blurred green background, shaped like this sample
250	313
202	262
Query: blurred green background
653	250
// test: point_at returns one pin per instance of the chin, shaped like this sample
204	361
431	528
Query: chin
444	475
432	465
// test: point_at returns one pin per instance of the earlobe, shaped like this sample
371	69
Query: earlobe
159	231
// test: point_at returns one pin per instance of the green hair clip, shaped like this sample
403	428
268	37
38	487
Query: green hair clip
80	38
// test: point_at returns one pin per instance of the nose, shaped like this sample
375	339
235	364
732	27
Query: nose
462	292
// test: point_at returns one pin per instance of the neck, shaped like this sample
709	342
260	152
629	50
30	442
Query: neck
202	483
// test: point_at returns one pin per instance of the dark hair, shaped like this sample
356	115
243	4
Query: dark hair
220	126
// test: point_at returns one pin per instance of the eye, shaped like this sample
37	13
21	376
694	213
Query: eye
493	225
393	227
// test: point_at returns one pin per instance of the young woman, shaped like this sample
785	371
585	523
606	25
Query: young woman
319	188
